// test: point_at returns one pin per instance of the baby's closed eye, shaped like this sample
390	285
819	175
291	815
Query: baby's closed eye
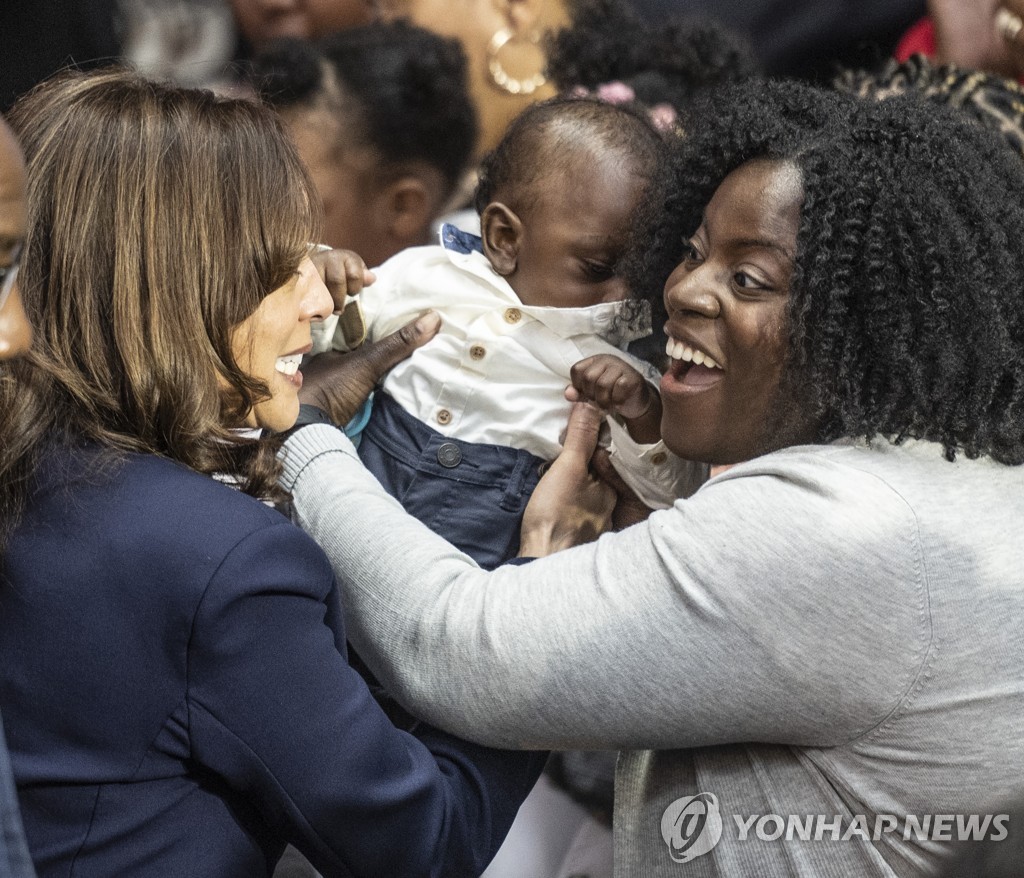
597	269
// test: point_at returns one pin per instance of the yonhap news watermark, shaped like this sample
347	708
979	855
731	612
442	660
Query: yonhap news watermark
693	825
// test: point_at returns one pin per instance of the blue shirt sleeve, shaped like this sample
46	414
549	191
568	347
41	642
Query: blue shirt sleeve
354	428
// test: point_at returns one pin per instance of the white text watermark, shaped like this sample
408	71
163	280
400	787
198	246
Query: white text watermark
692	826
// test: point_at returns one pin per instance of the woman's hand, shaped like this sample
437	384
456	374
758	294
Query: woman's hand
629	509
571	505
340	383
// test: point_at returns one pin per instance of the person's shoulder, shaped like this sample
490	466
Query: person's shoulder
433	269
185	500
186	514
409	271
842	459
146	518
882	477
897	464
852	475
410	257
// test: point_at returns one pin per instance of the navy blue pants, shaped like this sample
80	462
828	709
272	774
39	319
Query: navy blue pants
473	495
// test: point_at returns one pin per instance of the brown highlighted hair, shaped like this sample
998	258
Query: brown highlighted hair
159	218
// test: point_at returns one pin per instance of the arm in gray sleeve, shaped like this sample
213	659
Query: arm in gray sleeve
781	603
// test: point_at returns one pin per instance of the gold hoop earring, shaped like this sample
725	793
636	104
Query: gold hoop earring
500	76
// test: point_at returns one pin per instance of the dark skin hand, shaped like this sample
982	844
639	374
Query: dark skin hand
344	274
339	383
629	509
571	504
611	384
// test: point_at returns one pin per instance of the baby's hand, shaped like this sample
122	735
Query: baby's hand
610	383
344	273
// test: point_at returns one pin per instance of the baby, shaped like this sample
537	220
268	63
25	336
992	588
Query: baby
460	431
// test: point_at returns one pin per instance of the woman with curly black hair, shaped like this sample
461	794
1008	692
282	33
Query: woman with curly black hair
904	271
818	654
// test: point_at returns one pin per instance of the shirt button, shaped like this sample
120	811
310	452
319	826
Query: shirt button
478	352
659	458
513	315
444	416
449	455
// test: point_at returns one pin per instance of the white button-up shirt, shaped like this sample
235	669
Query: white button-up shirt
497	370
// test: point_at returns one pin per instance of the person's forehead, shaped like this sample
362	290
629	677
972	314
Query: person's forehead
763	193
592	208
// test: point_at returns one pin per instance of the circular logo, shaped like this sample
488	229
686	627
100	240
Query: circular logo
691	826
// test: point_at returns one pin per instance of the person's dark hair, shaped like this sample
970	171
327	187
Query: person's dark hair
547	139
397	88
905	317
159	219
667	62
988	98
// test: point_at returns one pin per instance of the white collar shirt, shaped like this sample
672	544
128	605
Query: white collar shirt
496	372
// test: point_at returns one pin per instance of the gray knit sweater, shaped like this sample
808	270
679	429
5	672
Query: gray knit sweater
826	640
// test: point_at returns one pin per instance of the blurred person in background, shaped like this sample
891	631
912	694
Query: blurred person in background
382	118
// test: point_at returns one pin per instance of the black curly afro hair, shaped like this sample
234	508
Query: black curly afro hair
401	89
906	318
664	63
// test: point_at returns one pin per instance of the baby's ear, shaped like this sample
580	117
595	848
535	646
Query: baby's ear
502	233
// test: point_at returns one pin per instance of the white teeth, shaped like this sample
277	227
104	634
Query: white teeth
675	349
288	365
681	351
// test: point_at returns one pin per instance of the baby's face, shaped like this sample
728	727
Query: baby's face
574	233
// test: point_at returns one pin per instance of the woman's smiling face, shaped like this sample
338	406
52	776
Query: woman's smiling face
269	344
727	303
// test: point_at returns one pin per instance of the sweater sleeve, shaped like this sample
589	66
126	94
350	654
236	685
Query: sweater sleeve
276	712
782	603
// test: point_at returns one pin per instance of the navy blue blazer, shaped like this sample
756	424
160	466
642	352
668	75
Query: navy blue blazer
178	701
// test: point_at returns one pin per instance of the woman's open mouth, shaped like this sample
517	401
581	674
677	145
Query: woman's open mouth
690	367
289	368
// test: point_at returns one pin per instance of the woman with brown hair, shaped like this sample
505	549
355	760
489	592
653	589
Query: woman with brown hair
173	668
